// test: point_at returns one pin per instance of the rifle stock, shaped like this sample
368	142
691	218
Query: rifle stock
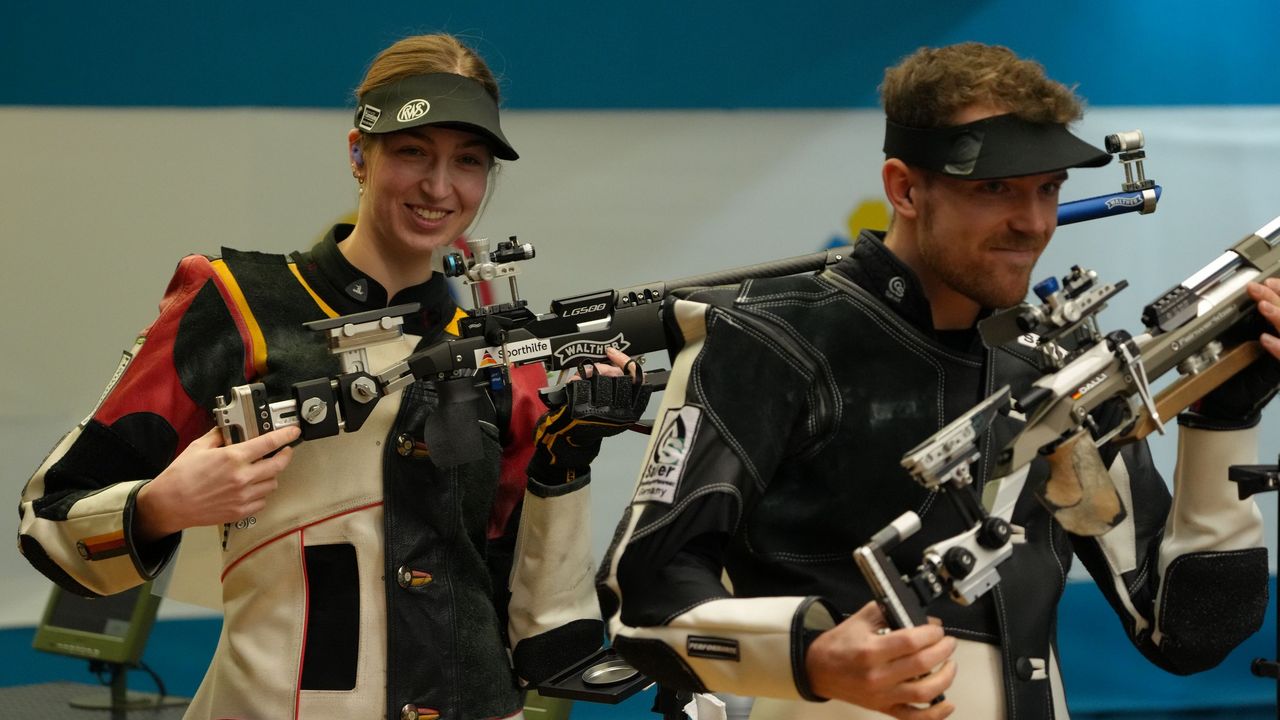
1079	492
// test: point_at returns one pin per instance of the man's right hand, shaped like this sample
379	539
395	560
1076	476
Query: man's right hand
211	484
892	673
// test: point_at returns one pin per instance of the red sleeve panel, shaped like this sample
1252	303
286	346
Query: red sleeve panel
77	508
526	408
198	343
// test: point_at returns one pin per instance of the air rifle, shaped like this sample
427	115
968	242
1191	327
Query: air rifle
1188	332
963	566
576	330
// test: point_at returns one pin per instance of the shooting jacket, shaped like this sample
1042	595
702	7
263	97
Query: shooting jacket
373	584
777	486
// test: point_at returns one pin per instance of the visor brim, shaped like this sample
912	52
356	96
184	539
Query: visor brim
442	99
1003	146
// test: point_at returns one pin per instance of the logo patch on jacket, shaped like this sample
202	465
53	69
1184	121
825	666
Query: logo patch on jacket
896	290
661	475
714	648
359	290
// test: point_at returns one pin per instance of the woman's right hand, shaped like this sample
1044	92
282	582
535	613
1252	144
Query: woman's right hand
211	484
897	673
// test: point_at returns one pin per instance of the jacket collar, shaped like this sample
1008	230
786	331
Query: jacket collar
877	270
349	290
874	268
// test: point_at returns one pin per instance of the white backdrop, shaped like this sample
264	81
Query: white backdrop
100	204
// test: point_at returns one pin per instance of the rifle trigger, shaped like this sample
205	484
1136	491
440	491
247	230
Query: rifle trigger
1133	361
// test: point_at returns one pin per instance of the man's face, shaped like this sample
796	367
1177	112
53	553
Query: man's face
981	238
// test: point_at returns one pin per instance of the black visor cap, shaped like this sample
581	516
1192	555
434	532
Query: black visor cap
441	99
1003	146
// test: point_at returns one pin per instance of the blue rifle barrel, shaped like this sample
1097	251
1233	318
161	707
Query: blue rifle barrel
1102	206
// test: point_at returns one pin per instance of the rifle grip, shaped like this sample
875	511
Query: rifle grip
1080	492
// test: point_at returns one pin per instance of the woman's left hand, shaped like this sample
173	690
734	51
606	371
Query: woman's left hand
617	365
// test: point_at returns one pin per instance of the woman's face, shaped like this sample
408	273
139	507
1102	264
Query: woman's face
423	188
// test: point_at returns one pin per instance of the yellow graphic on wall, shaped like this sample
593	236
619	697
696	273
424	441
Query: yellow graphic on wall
870	214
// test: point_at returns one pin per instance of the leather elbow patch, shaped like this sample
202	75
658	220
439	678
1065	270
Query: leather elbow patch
542	656
1212	601
35	554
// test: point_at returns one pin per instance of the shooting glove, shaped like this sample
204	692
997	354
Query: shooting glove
579	415
1237	403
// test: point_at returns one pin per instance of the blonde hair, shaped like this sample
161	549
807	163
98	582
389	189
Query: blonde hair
930	86
425	54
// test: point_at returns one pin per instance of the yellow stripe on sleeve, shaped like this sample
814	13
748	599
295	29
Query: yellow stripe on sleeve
251	323
324	306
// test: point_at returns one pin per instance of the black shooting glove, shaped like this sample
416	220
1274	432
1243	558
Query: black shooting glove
579	415
1237	403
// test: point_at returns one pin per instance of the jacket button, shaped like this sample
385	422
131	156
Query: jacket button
410	579
413	712
404	444
1030	669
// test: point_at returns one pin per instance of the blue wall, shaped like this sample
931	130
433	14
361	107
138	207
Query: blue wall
576	54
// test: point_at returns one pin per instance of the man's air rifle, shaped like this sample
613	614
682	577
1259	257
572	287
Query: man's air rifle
1190	330
962	566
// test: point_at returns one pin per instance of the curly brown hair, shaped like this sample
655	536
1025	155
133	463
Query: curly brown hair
930	86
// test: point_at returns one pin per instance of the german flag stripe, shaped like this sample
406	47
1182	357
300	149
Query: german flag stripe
251	324
100	547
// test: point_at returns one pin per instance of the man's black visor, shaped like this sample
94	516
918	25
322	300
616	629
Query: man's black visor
436	99
1003	146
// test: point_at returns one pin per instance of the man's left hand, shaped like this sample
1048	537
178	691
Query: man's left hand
1267	295
1238	402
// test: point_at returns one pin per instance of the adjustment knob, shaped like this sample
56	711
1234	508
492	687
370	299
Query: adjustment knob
959	562
1047	287
454	265
994	533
